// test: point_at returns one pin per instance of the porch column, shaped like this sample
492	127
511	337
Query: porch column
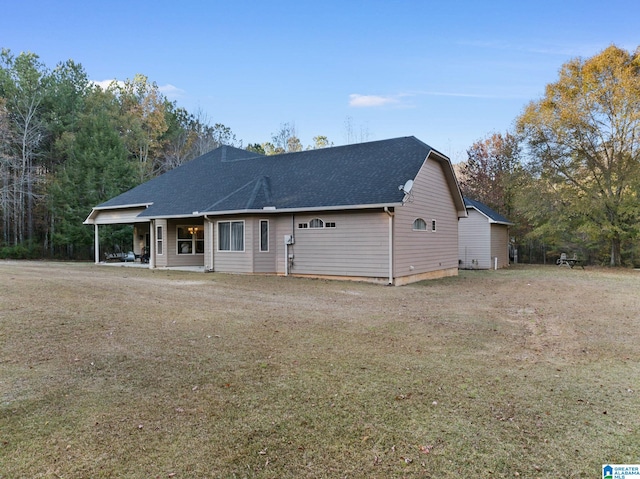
208	244
152	244
96	244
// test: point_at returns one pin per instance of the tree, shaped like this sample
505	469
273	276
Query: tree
9	164
98	168
179	140
353	136
144	108
188	136
584	142
65	91
489	175
256	148
285	140
320	142
22	81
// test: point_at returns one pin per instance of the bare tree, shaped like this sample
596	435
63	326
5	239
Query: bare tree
285	139
360	134
21	80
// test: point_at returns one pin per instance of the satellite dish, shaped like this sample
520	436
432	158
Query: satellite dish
407	187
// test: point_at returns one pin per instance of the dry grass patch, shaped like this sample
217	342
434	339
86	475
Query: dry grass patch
122	372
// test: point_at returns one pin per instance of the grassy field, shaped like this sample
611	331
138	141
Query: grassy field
121	372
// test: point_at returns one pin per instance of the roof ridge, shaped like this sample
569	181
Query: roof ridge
262	184
233	193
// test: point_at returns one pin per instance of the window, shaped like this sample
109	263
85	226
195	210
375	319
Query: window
433	225
316	223
420	225
159	240
264	236
230	235
190	239
303	225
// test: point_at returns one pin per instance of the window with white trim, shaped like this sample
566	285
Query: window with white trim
264	236
317	223
190	239
159	240
433	225
419	225
230	235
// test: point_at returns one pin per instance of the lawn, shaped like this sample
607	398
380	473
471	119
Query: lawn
123	372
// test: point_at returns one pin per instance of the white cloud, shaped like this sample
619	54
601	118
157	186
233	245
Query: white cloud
365	101
104	84
171	91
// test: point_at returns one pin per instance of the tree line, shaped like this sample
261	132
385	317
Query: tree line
67	144
567	175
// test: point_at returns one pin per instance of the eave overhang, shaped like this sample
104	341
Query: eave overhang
95	213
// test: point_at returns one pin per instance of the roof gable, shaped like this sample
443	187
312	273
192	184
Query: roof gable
229	179
491	215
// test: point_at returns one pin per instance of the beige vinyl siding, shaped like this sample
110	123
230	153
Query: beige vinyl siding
500	244
281	225
417	252
140	232
119	216
264	261
235	261
171	245
358	246
474	241
161	259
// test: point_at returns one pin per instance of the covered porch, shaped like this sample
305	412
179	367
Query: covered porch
155	243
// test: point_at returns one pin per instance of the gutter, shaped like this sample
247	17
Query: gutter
263	211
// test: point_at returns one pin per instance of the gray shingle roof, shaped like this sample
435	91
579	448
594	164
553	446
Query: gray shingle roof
230	179
494	216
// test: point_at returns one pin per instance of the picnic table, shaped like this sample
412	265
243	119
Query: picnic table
570	262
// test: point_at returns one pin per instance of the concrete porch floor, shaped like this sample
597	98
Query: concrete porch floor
132	264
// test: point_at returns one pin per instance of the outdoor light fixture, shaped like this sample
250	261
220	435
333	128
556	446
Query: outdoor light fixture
193	229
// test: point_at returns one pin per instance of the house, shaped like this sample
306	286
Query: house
483	238
384	211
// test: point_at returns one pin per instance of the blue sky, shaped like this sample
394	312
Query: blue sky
449	73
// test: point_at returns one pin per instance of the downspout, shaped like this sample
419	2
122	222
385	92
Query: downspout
286	258
390	213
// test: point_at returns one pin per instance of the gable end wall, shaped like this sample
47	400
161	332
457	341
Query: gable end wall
422	252
475	241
